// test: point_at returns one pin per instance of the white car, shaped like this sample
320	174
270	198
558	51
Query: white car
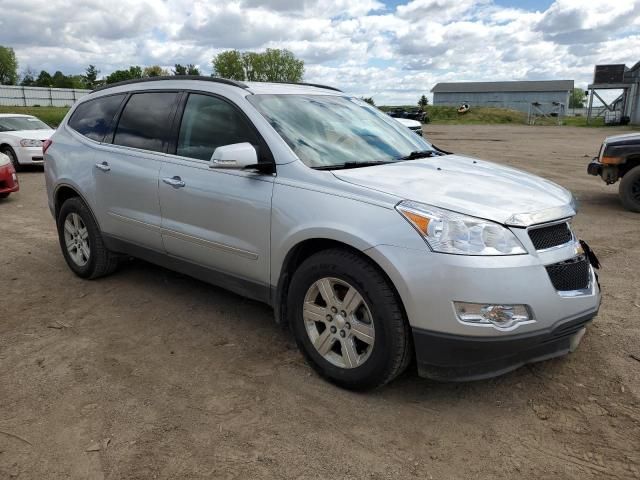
21	138
413	125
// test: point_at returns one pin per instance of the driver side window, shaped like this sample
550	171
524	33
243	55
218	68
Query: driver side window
209	122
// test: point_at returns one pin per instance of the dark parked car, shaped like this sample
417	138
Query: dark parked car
411	114
619	158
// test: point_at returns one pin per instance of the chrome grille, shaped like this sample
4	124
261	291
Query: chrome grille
570	275
550	236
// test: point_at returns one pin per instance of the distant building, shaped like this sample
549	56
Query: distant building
513	95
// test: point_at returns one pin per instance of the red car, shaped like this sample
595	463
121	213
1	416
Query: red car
8	177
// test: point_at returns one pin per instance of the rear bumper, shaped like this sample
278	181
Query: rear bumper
441	356
8	180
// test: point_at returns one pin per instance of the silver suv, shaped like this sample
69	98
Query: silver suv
372	245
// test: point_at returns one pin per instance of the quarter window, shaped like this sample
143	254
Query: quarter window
93	118
145	121
209	122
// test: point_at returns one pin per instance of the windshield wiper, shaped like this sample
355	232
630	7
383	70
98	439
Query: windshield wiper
419	154
347	165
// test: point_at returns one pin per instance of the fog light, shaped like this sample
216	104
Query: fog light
502	317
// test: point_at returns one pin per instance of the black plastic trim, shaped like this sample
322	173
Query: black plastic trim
240	286
443	356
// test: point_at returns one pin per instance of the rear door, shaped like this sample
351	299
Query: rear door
219	219
126	171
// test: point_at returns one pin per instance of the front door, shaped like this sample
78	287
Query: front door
219	219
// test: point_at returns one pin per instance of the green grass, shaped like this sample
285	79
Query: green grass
50	115
475	116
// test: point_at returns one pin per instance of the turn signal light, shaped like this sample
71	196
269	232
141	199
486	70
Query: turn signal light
611	160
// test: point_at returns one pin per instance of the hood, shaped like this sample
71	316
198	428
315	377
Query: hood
466	185
626	138
31	134
408	122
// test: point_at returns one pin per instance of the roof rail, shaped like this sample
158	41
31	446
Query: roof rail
226	81
317	85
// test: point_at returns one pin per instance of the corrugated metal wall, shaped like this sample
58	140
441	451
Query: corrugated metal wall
45	97
513	100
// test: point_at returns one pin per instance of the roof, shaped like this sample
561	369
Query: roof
526	86
13	115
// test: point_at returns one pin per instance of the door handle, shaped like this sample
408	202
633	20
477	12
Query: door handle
104	166
175	182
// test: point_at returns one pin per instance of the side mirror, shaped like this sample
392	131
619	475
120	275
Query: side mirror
235	156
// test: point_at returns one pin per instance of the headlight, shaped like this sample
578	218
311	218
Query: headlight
449	232
27	142
4	160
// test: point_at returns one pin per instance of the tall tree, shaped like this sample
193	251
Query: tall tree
229	65
90	77
576	99
154	71
132	73
44	79
8	66
28	78
60	80
272	65
190	69
369	100
423	101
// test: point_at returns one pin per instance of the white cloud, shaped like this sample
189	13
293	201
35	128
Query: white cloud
363	47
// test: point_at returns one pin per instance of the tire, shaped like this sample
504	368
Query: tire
630	190
8	151
4	195
98	261
370	345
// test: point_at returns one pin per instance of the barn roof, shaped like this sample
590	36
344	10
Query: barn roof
482	87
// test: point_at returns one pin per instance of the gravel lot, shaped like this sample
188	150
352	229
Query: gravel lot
149	374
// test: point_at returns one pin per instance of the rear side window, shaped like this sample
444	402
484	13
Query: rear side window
209	122
93	118
145	121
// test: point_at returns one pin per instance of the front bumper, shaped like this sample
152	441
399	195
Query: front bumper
8	179
446	347
29	155
458	358
594	168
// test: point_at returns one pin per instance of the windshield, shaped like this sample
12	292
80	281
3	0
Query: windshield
10	124
327	131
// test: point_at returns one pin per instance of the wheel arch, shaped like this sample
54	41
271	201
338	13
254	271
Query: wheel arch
305	249
631	162
62	193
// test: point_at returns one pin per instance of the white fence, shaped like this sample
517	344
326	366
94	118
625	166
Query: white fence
14	96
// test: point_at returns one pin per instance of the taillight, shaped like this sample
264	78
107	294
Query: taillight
45	146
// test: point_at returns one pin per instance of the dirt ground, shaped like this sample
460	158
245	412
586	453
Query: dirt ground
149	374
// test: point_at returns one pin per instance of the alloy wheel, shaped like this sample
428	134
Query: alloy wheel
338	322
76	238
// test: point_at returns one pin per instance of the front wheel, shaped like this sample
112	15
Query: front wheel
347	320
630	190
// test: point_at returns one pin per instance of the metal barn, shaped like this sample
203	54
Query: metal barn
513	95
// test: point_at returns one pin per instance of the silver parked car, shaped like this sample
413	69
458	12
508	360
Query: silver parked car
372	245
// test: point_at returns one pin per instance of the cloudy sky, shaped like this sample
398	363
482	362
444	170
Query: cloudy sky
393	50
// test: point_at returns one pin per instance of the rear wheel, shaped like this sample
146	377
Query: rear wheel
81	241
347	320
630	190
8	151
